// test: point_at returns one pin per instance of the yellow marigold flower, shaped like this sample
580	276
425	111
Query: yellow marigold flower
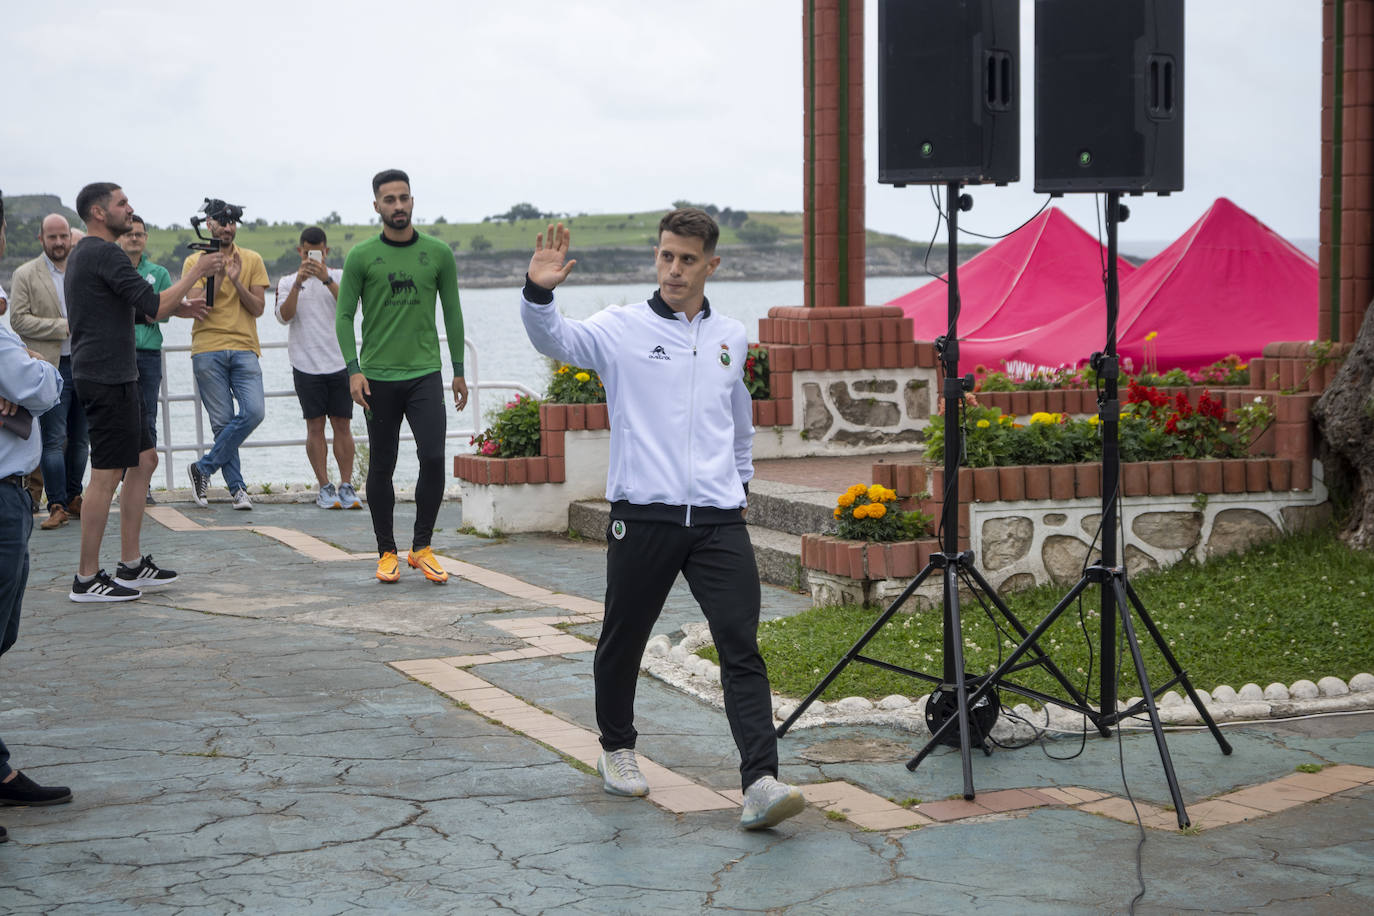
1041	417
861	511
877	510
875	493
846	500
837	512
859	489
1094	420
983	424
1005	420
563	370
582	377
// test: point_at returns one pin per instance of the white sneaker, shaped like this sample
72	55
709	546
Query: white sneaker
241	500
328	497
348	497
768	803
620	773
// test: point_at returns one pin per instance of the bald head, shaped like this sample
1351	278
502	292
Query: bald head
57	238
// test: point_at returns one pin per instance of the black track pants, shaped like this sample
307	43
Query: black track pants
421	402
718	563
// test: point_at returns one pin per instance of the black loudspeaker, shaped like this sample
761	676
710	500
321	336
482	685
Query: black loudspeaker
1108	96
948	91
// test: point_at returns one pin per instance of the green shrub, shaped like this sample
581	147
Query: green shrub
575	385
756	372
513	431
870	512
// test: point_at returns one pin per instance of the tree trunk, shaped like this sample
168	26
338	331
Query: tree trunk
1345	426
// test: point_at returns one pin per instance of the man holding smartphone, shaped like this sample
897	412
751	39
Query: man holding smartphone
306	305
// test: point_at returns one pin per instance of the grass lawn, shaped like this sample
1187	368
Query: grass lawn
1299	607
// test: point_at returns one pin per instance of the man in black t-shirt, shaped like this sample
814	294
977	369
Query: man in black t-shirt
105	297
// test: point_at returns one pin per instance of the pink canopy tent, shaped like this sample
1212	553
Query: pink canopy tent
1230	284
1042	270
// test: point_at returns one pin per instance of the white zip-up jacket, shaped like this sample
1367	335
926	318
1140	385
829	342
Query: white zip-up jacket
681	420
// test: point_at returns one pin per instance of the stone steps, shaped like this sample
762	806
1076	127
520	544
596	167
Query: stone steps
779	514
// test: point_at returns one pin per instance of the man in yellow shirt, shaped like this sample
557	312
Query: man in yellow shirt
224	355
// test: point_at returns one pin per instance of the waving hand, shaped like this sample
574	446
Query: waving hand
549	266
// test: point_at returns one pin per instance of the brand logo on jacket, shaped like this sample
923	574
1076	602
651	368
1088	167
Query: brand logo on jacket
724	355
659	353
618	530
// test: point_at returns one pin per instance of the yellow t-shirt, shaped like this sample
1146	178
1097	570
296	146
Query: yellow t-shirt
229	326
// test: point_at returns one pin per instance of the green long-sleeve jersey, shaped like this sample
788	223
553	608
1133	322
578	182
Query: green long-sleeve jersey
397	283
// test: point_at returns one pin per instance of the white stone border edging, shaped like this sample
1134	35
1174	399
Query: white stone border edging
679	666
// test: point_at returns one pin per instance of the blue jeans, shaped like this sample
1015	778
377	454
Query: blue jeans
16	524
225	377
149	385
66	443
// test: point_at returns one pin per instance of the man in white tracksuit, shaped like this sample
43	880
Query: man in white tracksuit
680	463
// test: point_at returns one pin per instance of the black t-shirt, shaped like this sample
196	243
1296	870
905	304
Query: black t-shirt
105	298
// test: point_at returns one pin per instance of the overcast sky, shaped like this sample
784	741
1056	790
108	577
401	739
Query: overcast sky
595	106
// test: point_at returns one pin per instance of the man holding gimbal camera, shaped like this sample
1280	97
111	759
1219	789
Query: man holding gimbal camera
225	351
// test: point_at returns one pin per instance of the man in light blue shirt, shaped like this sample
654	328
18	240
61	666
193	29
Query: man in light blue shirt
28	385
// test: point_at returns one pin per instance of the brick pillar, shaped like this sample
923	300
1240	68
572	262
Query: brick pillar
1347	188
833	77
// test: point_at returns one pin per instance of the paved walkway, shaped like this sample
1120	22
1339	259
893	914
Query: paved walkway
278	732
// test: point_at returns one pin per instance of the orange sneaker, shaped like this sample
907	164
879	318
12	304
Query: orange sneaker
425	561
389	567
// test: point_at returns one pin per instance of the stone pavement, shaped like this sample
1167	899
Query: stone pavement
278	732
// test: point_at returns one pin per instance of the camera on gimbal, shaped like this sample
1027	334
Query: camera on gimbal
220	212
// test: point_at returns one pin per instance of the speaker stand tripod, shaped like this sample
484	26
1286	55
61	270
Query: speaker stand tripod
1119	599
972	714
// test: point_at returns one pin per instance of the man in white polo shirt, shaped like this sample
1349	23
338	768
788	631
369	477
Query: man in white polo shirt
306	303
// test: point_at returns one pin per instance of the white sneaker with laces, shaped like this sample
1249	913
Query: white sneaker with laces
620	773
328	497
241	500
348	498
768	803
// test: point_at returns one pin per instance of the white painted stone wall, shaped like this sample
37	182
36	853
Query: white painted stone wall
1036	541
905	409
512	508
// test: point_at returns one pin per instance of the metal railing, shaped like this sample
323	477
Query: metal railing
166	448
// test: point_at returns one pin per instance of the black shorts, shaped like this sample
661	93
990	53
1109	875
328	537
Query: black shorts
114	415
323	395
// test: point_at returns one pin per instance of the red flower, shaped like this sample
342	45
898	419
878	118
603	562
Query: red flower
1171	426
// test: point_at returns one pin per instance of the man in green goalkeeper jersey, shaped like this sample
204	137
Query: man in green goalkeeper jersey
397	276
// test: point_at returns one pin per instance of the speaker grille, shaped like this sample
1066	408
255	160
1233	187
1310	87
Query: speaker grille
948	91
1108	95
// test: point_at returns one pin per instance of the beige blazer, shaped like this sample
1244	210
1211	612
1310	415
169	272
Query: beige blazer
35	314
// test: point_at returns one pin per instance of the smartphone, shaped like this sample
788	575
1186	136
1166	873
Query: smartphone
315	254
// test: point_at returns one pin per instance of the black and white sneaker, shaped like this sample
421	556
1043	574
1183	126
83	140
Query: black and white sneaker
200	484
101	588
143	576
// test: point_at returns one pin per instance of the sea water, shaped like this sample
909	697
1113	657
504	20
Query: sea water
501	353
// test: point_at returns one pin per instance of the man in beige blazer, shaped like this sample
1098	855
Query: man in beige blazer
38	314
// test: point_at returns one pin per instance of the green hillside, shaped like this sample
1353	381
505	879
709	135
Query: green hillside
602	230
276	242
